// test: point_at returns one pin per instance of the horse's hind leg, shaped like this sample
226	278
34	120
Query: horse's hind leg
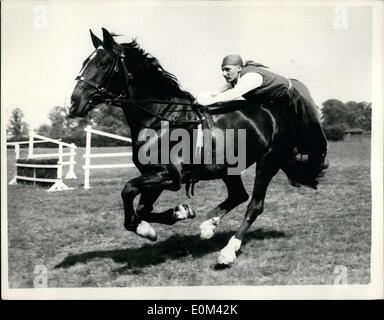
236	196
265	170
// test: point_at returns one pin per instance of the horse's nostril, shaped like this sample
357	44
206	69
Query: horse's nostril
74	104
73	108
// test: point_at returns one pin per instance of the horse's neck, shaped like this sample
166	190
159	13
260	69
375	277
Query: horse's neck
163	105
143	119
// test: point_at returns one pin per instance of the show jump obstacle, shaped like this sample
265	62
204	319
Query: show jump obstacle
44	168
88	156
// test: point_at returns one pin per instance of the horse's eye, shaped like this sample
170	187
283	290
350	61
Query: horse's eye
103	65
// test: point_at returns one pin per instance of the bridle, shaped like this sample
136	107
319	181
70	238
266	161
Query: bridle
101	88
122	99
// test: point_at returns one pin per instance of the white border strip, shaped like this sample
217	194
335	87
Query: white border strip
371	291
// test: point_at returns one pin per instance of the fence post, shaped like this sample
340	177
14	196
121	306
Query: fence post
71	173
60	163
17	151
30	146
59	184
87	156
17	156
60	154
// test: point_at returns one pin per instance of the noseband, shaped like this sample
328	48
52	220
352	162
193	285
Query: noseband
101	88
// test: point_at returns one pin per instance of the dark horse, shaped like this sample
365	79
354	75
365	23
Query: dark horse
124	75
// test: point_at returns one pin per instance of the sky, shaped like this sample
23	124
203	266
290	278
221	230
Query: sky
327	47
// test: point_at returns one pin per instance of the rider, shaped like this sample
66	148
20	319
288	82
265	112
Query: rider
250	80
255	83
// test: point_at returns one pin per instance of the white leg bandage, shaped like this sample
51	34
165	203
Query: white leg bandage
145	230
228	254
183	212
207	228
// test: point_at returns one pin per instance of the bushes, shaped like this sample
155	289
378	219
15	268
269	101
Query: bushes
334	132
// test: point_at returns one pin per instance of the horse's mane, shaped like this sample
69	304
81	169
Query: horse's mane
155	74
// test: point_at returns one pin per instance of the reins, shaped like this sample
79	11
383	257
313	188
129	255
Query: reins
136	103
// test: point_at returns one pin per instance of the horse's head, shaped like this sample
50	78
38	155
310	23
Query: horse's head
103	76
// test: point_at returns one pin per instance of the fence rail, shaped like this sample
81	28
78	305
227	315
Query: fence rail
88	155
58	184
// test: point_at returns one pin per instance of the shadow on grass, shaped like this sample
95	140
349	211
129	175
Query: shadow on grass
175	247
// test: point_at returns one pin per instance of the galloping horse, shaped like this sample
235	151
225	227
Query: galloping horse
124	75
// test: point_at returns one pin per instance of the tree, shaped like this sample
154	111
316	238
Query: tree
44	130
360	115
349	115
334	132
75	130
59	124
110	119
366	120
104	118
333	113
17	128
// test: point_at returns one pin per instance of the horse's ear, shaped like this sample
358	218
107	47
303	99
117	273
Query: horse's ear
108	43
95	40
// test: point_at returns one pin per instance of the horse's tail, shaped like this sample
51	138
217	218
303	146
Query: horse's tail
311	141
305	171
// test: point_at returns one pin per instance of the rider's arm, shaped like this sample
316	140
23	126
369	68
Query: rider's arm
213	93
246	83
224	88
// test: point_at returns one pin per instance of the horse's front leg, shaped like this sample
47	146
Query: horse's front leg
151	184
147	199
154	181
236	196
145	211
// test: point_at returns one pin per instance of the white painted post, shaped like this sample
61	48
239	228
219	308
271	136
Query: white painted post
87	156
59	184
17	156
60	163
60	154
30	147
71	173
17	151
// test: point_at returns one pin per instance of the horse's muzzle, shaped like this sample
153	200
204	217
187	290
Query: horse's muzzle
73	108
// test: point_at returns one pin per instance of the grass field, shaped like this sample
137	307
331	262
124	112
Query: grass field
300	238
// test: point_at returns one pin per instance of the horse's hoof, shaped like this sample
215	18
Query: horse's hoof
183	212
226	257
145	230
208	227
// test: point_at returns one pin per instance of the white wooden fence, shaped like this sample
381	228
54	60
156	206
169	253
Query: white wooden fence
88	155
58	184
